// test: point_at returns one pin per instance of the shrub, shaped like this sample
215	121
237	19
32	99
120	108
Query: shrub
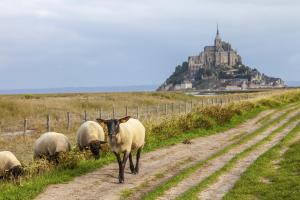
242	107
220	114
69	160
270	103
37	167
195	120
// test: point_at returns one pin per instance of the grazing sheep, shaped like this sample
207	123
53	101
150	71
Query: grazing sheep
11	166
50	144
124	135
90	134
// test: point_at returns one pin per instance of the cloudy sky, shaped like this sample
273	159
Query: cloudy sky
71	43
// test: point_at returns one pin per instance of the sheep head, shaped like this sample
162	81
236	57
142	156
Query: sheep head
113	125
16	173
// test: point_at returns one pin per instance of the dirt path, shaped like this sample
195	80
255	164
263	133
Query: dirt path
226	181
102	183
217	163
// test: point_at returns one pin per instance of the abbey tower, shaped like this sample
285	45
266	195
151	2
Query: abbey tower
221	54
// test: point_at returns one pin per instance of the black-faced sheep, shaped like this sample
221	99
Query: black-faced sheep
10	166
124	135
50	144
90	135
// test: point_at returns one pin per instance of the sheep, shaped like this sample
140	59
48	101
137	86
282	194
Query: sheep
90	134
11	166
50	144
124	135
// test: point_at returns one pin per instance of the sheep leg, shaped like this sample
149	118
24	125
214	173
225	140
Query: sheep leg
138	155
131	164
125	158
120	166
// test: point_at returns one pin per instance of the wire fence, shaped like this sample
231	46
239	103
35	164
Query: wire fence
60	119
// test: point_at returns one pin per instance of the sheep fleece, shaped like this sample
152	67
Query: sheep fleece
50	143
7	161
131	136
89	131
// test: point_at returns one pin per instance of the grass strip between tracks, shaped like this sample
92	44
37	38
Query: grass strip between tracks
159	191
274	175
193	192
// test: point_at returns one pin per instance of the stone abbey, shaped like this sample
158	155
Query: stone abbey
221	54
218	67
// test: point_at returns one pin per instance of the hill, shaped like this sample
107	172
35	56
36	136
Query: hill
218	67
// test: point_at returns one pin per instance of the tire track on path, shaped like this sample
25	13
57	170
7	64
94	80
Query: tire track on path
226	181
217	163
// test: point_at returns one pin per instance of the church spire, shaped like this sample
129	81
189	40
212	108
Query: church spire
218	40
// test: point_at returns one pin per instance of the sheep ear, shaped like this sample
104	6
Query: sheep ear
124	119
101	121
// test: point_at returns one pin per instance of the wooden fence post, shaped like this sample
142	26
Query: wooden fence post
172	108
148	111
137	112
179	108
48	123
126	110
185	108
68	120
113	112
85	116
166	109
100	113
191	106
25	126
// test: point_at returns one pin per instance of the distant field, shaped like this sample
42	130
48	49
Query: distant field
14	107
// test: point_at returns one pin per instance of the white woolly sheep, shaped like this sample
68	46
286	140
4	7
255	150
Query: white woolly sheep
124	135
10	166
90	135
50	144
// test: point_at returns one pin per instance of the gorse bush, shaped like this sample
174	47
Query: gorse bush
220	114
243	107
195	120
66	160
269	102
70	160
37	167
201	118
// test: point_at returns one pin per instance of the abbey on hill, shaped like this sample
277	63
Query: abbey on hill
218	67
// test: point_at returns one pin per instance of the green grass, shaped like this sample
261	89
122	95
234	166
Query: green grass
33	186
193	192
266	179
159	191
